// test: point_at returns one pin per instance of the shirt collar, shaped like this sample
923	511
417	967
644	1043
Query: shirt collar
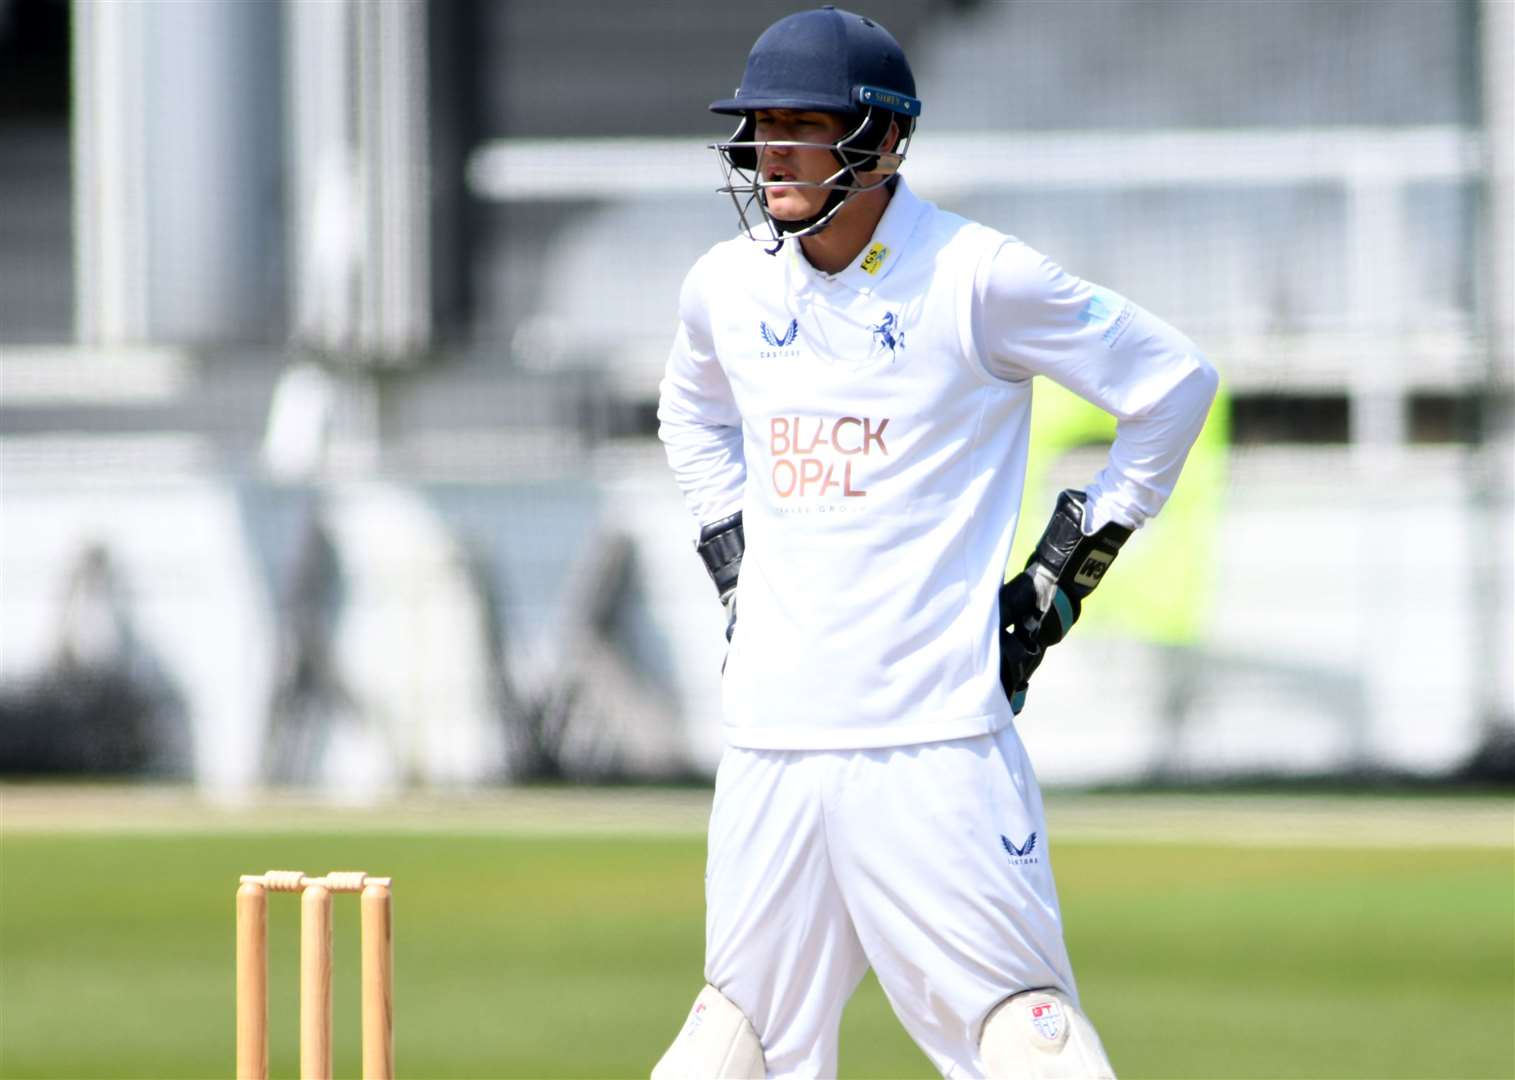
884	249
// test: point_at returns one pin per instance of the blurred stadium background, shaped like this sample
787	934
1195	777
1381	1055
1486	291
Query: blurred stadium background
330	335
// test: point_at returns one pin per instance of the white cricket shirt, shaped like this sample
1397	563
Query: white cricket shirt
872	427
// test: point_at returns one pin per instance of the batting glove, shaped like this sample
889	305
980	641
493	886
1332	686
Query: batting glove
1040	604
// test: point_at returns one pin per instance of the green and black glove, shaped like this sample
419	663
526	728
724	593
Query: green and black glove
1039	606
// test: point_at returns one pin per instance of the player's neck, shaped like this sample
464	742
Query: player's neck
835	247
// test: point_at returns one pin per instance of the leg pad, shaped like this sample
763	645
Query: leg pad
1042	1035
717	1042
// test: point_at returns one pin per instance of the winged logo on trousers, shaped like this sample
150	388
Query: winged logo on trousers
1019	852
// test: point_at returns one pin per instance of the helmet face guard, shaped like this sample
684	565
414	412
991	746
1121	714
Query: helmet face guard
856	152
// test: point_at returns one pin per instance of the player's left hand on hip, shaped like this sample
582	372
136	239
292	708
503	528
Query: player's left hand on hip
1039	605
1035	614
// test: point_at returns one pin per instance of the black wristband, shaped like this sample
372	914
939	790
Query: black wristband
721	546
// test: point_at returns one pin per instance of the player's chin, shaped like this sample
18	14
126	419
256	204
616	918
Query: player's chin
791	204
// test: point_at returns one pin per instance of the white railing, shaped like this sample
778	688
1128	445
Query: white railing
515	170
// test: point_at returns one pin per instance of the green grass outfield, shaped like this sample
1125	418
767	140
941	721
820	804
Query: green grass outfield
559	934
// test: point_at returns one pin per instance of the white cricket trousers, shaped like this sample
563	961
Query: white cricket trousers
928	863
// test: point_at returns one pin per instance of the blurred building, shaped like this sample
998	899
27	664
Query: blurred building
335	329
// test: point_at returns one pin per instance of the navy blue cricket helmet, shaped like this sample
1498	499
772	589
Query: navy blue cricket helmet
825	60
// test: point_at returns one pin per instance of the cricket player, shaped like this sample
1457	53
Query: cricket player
846	408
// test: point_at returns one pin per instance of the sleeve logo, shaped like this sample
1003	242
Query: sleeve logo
1100	308
1095	311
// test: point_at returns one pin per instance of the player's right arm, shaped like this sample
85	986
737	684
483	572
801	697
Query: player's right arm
701	430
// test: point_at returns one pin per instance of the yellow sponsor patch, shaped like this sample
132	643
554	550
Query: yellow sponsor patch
874	259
